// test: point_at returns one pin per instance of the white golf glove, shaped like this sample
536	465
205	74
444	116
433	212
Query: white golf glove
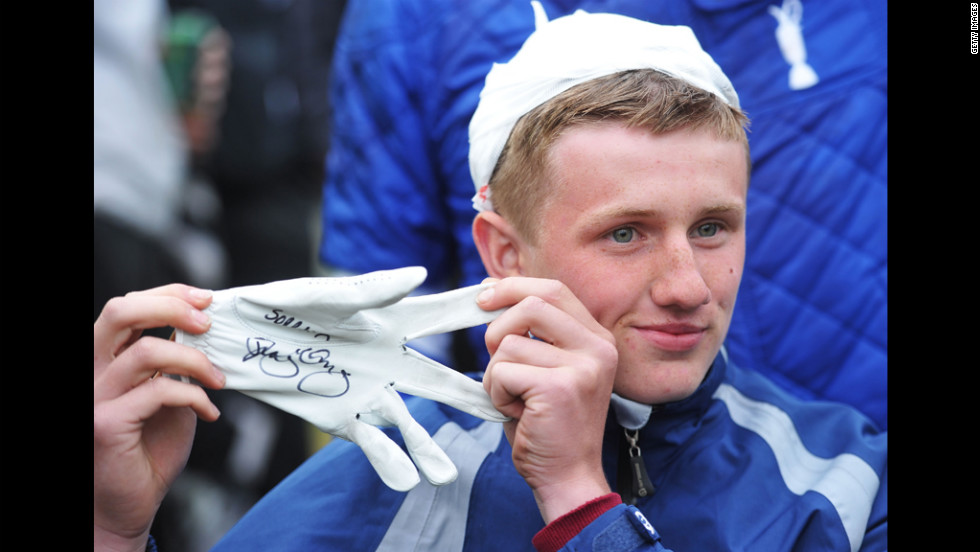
332	351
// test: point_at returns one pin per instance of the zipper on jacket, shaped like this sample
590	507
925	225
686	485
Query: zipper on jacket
632	479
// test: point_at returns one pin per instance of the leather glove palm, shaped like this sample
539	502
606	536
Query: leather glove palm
333	352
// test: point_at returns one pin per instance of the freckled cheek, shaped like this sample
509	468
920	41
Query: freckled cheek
723	272
725	285
605	302
626	343
598	287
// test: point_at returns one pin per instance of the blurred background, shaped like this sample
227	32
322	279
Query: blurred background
210	136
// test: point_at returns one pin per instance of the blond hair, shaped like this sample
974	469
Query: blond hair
640	98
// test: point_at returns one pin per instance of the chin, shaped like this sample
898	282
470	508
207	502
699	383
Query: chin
661	381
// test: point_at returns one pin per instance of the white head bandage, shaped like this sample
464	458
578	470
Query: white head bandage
571	50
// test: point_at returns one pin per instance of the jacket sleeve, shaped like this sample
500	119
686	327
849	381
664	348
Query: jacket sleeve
876	536
621	529
383	204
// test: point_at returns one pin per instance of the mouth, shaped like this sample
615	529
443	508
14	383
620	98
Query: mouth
673	337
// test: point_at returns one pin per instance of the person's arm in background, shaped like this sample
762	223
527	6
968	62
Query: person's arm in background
381	197
144	420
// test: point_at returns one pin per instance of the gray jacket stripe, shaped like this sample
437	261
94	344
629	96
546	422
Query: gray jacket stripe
434	518
847	481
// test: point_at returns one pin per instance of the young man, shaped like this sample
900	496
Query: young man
617	231
616	240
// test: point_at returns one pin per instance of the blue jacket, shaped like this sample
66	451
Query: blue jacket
739	465
812	312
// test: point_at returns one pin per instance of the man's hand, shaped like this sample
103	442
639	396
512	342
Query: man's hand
145	420
551	369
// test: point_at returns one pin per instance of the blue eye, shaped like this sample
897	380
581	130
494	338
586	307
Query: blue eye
706	230
623	235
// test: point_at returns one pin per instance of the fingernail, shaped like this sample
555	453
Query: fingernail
201	318
219	374
201	293
485	296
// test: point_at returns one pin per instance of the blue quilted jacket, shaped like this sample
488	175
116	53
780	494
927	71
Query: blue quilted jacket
812	312
739	465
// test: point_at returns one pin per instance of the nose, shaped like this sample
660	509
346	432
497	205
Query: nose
679	282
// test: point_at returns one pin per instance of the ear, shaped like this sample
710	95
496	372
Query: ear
500	246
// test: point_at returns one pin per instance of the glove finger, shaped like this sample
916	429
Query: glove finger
337	297
437	313
431	460
314	310
390	462
423	377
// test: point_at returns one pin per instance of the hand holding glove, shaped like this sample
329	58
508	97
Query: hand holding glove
333	352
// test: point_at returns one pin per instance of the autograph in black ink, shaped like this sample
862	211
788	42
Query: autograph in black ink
279	319
275	364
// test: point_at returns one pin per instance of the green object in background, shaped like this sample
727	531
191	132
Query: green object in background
185	33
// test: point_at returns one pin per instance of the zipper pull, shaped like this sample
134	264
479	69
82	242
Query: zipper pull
640	484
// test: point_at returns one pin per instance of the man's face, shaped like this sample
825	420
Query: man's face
649	232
